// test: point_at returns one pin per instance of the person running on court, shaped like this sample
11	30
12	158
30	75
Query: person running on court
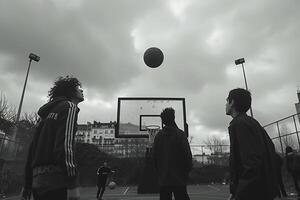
172	158
51	170
252	153
102	175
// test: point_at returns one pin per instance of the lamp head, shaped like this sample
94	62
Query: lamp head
34	57
239	61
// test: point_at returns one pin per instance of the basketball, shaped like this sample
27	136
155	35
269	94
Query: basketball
153	57
112	185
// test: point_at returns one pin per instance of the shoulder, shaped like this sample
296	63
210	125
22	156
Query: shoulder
241	121
159	134
67	105
180	133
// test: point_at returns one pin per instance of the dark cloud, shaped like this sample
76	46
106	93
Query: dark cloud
102	43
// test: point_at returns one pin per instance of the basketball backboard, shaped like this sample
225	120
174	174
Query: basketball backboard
136	113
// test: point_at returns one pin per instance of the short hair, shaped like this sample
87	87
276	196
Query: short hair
242	99
168	116
64	87
288	149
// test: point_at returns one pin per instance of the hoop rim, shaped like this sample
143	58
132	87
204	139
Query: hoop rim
152	127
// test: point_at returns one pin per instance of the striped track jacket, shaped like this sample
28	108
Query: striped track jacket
51	161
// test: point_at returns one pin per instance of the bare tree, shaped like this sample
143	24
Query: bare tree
286	139
215	144
7	114
31	118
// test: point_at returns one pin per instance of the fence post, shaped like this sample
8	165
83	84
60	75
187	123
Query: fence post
279	138
296	131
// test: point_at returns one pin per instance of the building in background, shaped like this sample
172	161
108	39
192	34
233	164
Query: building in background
297	105
97	133
131	147
103	135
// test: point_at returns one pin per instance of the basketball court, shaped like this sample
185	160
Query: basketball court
209	192
196	192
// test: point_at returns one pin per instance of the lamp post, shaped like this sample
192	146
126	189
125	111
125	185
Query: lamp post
238	62
31	58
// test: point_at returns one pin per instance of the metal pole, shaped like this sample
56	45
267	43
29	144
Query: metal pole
251	112
22	97
15	129
279	137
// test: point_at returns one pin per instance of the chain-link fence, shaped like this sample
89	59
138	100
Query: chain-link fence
211	154
12	161
285	132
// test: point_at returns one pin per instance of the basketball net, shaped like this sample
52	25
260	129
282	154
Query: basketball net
152	131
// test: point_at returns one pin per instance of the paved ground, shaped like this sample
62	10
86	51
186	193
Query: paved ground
212	192
196	192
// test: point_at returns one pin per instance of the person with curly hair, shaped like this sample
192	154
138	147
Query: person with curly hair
51	170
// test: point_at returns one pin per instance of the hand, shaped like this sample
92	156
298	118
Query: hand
73	194
25	194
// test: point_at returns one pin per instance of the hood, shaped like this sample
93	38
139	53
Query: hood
46	109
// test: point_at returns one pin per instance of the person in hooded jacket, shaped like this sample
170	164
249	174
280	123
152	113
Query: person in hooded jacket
51	170
172	158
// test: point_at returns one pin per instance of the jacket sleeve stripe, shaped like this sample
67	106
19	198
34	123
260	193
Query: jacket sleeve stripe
69	159
67	150
71	139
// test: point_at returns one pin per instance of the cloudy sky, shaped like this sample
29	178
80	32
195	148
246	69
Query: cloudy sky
102	43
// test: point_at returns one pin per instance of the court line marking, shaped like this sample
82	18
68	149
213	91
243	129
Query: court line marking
214	188
126	191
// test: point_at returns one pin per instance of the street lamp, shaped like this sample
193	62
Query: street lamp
32	57
238	62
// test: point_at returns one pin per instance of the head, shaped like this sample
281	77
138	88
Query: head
288	149
68	87
105	164
168	116
238	101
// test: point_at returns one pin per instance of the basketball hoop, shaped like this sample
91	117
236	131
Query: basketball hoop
152	131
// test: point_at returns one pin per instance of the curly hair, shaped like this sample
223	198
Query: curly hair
242	99
64	87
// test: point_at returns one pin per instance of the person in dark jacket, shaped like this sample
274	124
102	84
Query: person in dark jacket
51	170
290	156
172	158
102	175
252	153
279	162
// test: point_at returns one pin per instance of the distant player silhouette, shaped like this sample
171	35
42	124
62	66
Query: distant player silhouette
102	174
291	168
279	163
